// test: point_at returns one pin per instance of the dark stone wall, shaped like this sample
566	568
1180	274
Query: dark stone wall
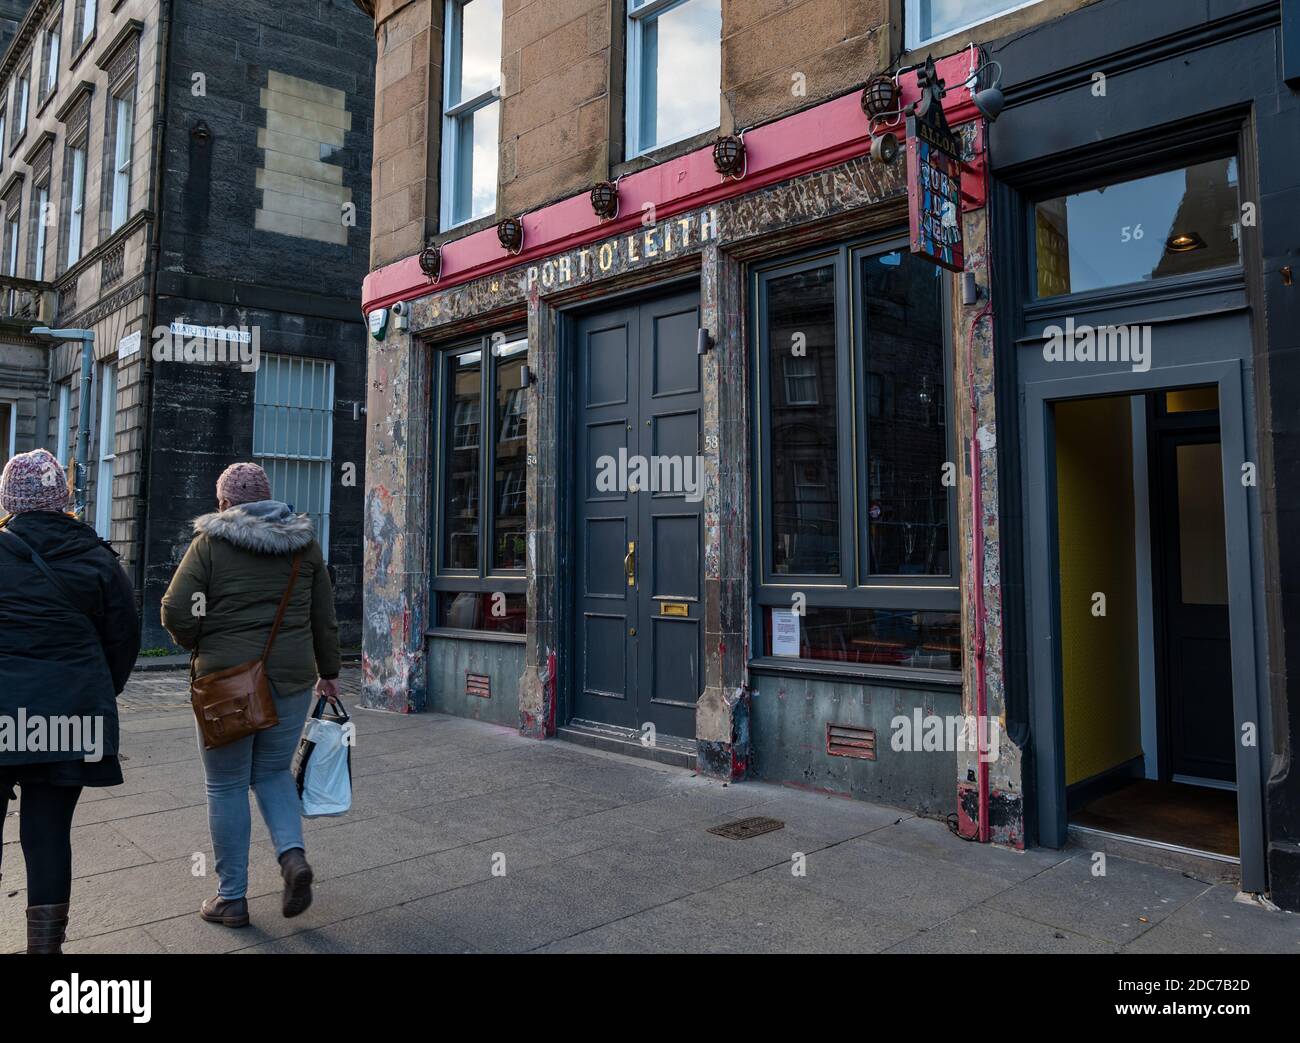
218	268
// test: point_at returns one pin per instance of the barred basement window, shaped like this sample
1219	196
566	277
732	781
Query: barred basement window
293	434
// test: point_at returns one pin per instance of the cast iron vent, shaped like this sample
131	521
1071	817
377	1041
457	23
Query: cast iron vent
848	740
479	685
744	828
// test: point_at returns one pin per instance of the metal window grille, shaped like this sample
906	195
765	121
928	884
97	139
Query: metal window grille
293	434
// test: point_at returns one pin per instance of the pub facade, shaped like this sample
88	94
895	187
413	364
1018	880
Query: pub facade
697	447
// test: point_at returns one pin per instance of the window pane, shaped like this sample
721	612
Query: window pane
509	481
1167	224
804	468
884	637
464	397
503	613
476	173
907	503
480	54
681	72
929	19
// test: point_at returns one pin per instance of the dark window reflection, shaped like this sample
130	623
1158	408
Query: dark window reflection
1181	221
463	441
907	503
805	440
884	637
499	612
510	461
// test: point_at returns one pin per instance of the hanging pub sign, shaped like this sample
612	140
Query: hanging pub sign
934	177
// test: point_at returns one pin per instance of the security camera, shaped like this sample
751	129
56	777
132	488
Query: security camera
401	316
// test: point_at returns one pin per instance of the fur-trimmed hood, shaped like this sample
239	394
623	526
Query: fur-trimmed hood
265	527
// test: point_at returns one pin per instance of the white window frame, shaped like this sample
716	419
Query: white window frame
76	203
88	14
107	441
792	378
11	436
277	458
640	14
453	116
24	101
61	440
13	226
4	126
42	201
51	60
123	132
911	7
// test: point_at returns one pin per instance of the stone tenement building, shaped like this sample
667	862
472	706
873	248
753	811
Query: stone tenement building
975	321
192	182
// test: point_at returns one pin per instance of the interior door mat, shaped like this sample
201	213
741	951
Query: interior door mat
744	828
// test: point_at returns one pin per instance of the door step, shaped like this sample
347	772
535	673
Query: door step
1203	865
680	753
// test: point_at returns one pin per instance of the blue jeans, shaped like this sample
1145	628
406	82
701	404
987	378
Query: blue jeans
260	762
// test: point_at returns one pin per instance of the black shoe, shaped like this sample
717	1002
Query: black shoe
297	882
46	926
229	912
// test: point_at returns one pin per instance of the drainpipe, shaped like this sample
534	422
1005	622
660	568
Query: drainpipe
977	585
151	261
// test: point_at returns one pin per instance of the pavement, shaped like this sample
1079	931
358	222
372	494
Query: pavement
465	837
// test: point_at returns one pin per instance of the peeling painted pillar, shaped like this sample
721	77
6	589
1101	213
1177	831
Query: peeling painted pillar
722	713
396	525
973	349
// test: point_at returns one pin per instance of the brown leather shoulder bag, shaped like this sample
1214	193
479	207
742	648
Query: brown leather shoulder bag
239	700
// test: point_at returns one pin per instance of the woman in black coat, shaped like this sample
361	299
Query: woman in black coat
69	635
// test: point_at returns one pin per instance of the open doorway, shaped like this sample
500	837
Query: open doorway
1145	656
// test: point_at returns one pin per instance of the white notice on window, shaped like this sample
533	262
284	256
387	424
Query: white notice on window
785	632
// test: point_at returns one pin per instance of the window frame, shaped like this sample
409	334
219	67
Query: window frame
269	459
854	586
62	442
452	117
913	41
40	236
50	57
484	578
121	169
86	25
76	188
636	17
106	438
22	103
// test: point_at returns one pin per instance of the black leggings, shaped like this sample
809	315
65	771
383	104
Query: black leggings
45	832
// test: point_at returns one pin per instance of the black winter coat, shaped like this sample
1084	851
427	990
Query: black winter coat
54	660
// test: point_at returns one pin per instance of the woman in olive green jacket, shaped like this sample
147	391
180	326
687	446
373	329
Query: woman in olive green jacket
220	605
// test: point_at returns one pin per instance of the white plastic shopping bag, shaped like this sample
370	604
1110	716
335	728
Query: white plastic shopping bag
322	766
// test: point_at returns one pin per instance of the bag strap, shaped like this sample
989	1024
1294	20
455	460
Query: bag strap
284	603
50	574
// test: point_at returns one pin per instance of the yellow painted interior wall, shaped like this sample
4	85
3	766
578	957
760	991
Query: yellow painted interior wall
1099	654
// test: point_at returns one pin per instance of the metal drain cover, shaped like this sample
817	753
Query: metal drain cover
744	828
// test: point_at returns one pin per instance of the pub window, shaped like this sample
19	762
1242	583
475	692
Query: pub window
674	71
481	444
471	110
929	20
856	521
1172	223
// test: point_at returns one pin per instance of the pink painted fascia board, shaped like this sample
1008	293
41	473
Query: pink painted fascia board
814	139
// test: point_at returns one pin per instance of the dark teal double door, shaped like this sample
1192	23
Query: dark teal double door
638	486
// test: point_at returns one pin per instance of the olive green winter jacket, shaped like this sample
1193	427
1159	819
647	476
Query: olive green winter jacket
239	562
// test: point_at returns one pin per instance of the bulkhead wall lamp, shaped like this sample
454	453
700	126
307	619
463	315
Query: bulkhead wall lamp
511	234
604	200
431	260
730	158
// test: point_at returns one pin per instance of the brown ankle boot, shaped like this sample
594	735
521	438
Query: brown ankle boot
297	882
229	912
46	925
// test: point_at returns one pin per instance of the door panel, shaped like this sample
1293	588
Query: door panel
1197	682
641	549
